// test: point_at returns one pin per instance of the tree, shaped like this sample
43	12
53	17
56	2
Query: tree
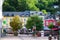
7	6
16	23
31	5
35	21
44	11
50	25
20	5
47	5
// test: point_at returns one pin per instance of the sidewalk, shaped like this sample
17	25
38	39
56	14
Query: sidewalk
24	37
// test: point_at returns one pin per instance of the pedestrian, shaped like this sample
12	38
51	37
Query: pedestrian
4	31
50	37
34	31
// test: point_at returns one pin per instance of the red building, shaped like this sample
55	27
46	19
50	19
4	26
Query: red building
48	21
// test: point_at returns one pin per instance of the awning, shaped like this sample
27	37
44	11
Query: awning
46	28
54	28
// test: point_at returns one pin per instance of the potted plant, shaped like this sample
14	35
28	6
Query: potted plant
16	24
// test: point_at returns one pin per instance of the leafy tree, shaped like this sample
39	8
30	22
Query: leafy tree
31	5
44	11
7	6
47	5
50	25
20	5
16	23
35	21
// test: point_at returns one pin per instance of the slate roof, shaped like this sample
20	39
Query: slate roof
16	13
25	13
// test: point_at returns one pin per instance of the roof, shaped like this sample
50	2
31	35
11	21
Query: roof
16	13
25	13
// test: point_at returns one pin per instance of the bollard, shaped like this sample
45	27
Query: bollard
50	37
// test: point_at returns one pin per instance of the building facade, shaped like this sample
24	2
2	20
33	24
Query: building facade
23	16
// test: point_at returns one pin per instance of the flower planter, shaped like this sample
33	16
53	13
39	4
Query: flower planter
38	34
15	33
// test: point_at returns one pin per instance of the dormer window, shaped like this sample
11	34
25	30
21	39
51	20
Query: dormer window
7	15
40	13
12	15
32	13
36	12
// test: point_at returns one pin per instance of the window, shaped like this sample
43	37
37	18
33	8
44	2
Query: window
46	22
32	13
36	12
7	15
12	15
40	13
24	20
27	14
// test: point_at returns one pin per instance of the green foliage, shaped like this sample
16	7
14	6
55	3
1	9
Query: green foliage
44	11
47	5
20	5
33	5
16	23
35	20
50	26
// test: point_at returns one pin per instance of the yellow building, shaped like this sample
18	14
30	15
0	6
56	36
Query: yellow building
8	19
23	16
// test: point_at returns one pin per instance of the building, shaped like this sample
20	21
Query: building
23	16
